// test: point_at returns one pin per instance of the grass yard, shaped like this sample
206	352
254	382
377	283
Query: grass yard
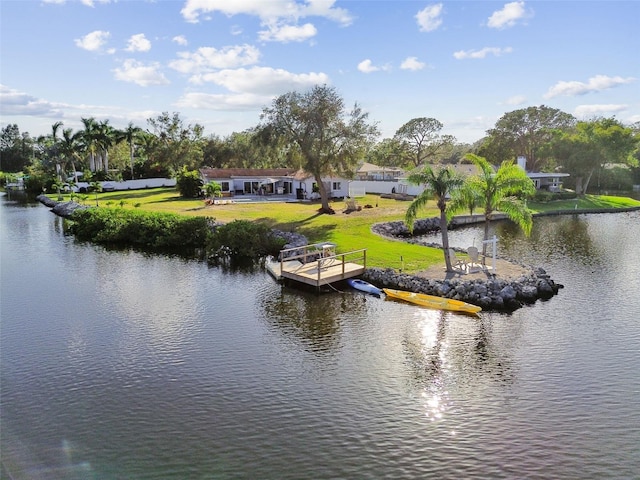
348	231
584	203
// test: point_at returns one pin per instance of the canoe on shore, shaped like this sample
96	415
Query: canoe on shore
432	301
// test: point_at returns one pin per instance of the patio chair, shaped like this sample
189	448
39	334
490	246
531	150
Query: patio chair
476	261
458	264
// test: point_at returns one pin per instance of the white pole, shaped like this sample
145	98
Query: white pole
495	252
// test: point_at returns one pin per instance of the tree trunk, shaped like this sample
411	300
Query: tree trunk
324	195
131	158
445	240
487	221
586	183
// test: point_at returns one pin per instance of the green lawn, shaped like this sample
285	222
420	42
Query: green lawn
584	203
349	231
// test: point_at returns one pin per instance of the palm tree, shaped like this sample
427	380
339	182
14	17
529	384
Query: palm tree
89	135
439	184
504	190
104	137
70	149
54	146
213	189
129	135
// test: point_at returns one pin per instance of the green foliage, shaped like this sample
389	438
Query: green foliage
316	126
213	189
547	196
140	228
242	239
189	183
422	139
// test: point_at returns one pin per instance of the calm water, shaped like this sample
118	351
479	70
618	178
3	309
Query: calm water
121	365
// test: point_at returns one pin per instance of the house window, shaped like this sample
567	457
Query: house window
336	186
225	186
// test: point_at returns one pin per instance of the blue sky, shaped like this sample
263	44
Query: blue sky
219	62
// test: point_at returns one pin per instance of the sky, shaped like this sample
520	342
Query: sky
218	63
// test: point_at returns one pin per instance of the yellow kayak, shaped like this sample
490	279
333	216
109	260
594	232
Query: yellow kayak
432	301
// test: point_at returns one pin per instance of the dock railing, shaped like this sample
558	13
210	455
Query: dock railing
323	254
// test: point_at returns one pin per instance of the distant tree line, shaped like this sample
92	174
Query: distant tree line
315	131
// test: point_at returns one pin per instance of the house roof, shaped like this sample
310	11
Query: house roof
220	173
367	167
546	175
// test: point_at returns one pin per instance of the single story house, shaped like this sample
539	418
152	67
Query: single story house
272	181
370	172
551	181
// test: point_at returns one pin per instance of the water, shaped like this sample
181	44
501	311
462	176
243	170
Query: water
122	365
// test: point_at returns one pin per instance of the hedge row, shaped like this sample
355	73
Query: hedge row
133	227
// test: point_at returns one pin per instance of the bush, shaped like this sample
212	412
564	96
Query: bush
547	196
133	227
189	183
245	240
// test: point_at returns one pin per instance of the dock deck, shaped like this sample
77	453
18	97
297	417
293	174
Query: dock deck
327	268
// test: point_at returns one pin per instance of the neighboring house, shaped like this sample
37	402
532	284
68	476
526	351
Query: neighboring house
551	181
272	181
371	172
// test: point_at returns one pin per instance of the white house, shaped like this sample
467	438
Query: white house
551	181
272	181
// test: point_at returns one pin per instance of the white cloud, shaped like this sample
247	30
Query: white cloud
14	102
138	43
367	66
412	63
594	84
510	14
585	111
429	18
93	41
234	102
288	33
140	74
475	54
262	80
180	40
88	3
206	59
268	11
91	3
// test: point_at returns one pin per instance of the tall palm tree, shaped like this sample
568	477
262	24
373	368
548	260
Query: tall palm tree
440	184
89	137
70	149
129	135
54	146
504	190
105	138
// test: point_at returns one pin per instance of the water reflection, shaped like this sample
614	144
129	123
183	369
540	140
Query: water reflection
311	320
444	350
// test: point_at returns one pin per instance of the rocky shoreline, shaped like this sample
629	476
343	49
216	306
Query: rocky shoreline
492	293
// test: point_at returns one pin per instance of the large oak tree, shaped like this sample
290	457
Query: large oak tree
329	140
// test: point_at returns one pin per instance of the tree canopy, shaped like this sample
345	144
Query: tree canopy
525	132
421	137
329	140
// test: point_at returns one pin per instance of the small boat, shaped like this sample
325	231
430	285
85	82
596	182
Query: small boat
432	301
364	286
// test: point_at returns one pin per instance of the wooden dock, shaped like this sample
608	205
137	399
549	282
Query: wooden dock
318	264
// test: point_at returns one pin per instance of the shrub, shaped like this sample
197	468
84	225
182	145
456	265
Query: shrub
245	240
189	183
139	228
